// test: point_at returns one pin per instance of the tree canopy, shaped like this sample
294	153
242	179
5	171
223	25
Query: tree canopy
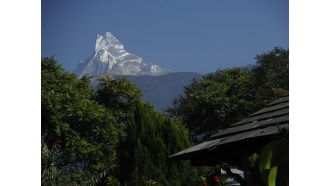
79	134
151	138
106	136
227	96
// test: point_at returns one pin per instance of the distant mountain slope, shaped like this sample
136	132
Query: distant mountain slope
160	91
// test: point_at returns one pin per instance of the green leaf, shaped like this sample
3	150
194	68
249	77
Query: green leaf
272	176
273	161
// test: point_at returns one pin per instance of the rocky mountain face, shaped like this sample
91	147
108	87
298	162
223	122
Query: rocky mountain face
110	58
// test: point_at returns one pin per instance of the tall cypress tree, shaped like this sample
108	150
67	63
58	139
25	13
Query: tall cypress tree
150	138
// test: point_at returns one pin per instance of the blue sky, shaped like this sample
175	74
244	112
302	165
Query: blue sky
185	35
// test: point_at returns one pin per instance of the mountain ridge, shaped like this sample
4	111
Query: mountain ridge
111	58
158	91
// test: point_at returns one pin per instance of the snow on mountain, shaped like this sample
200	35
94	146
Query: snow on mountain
110	58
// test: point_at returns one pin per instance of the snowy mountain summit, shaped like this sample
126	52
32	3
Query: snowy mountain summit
110	58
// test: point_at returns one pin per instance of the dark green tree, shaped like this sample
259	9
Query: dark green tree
224	97
79	136
215	101
118	95
156	138
272	69
151	138
271	75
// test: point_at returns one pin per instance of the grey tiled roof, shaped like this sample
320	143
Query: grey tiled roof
263	123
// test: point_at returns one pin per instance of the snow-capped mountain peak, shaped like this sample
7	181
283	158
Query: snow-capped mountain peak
110	58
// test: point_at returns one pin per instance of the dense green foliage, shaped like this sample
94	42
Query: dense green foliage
107	136
153	137
216	101
271	75
79	136
272	69
274	163
227	96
